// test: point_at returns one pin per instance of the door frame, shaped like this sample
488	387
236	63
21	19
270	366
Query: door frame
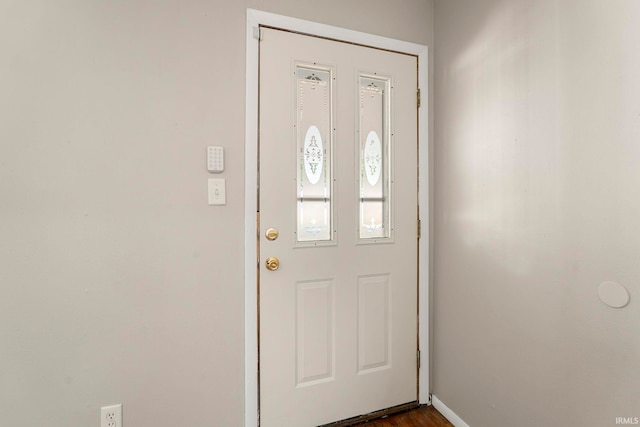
255	19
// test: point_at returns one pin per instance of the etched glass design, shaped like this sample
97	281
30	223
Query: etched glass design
313	155
314	132
374	158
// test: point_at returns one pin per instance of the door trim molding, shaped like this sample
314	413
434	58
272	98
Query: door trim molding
255	19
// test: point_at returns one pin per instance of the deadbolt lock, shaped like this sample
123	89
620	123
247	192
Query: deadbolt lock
271	234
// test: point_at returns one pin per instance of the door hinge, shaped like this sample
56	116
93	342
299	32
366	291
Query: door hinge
419	229
418	357
419	98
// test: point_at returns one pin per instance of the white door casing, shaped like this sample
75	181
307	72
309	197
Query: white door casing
338	180
254	18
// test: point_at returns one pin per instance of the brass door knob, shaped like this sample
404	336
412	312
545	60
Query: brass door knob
272	263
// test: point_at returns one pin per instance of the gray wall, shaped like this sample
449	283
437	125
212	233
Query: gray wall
118	283
537	202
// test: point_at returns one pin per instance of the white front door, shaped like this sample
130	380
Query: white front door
338	230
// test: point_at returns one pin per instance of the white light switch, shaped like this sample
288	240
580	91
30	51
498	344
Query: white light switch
217	192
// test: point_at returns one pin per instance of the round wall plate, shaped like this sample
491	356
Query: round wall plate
613	294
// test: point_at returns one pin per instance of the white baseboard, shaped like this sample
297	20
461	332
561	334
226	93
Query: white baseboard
448	413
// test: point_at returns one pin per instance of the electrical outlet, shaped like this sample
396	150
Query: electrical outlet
111	416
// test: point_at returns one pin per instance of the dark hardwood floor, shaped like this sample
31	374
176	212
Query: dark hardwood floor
424	416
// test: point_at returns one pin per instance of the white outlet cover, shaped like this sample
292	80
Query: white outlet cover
111	416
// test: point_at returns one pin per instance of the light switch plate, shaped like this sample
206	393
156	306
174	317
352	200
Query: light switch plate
217	191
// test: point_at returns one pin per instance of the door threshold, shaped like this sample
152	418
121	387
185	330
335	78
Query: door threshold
374	415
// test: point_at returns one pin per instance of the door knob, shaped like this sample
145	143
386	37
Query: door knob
272	263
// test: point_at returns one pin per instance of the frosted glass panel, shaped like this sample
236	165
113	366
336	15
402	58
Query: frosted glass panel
374	158
313	123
